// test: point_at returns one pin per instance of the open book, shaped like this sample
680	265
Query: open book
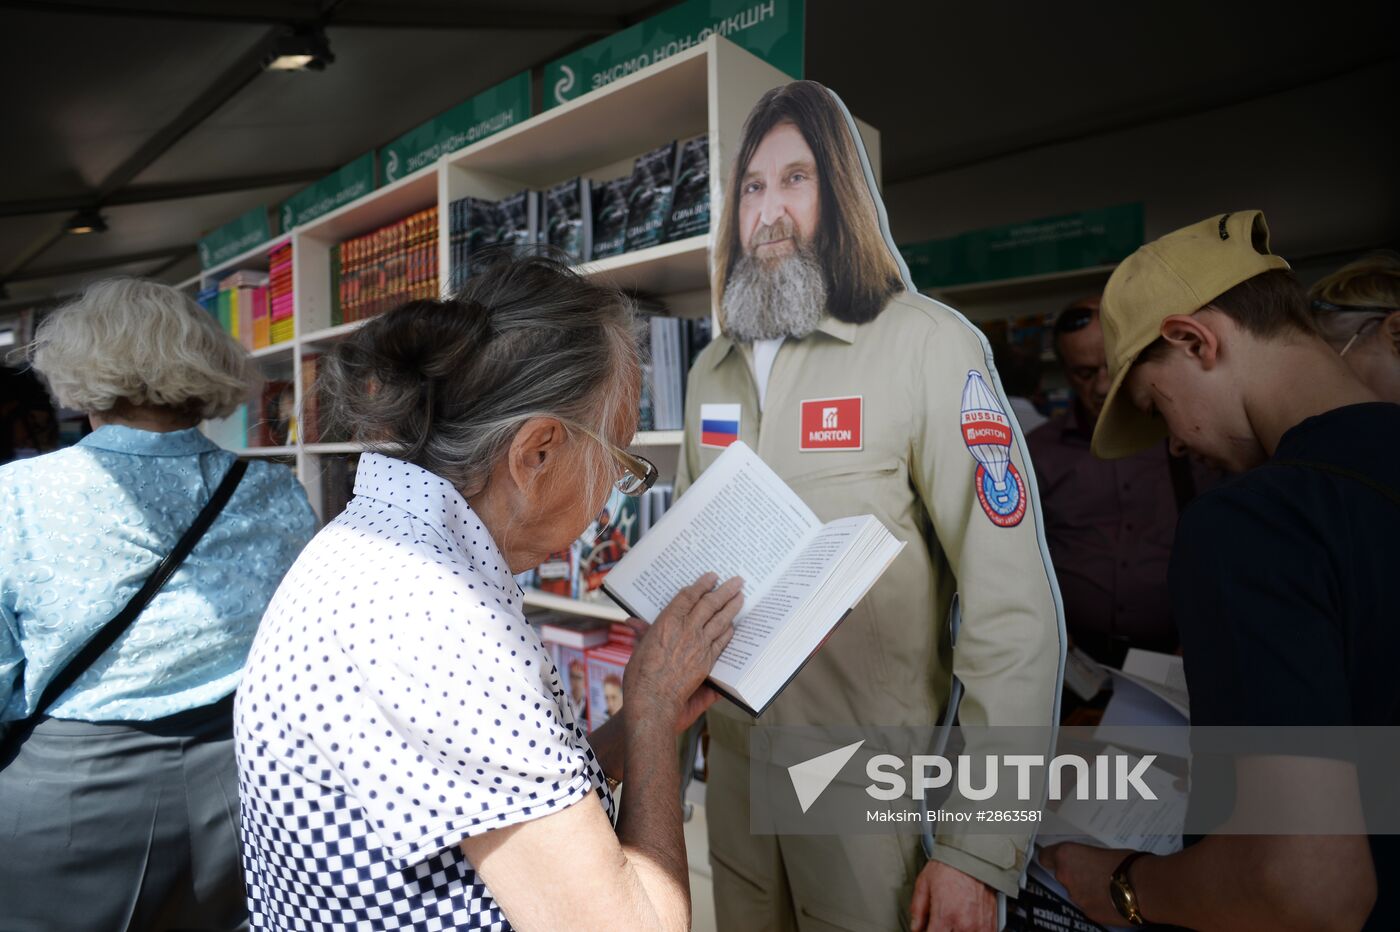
801	577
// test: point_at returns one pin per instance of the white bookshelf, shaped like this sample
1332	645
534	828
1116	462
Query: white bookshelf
331	334
1020	297
266	451
275	352
534	598
659	438
709	88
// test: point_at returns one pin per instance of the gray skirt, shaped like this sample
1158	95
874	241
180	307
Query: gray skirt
123	827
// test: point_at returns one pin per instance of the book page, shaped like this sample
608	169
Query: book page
1164	674
1139	824
738	518
756	626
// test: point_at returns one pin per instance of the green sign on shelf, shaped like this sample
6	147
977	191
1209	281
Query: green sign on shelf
1037	247
335	190
235	237
770	29
484	115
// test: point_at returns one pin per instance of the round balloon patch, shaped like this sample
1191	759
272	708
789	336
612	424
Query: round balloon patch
1005	501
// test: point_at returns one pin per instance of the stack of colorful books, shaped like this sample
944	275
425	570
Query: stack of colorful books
281	307
240	303
385	268
591	656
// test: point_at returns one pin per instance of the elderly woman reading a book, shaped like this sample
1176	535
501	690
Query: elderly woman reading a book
408	755
117	773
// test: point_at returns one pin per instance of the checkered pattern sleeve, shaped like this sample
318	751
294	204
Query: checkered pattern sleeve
395	702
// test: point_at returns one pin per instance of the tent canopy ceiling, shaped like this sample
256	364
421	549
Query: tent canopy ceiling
149	104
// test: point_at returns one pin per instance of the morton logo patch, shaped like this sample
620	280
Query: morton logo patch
987	432
831	424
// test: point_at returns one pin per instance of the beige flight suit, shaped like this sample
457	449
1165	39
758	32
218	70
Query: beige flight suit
889	663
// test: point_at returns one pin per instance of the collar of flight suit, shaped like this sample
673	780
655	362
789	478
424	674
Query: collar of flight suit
838	329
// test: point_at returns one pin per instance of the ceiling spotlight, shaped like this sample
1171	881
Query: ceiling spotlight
301	49
86	221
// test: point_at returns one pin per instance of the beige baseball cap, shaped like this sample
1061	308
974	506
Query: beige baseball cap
1178	274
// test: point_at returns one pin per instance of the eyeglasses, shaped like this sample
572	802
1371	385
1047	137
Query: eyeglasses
1365	325
1327	307
639	474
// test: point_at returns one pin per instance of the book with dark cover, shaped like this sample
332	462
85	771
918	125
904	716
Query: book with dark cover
610	217
698	333
478	227
568	219
337	483
1037	907
518	220
337	289
649	197
690	205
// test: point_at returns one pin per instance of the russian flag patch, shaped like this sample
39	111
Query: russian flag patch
719	425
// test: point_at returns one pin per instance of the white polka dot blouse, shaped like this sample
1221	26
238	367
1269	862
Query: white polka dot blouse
396	702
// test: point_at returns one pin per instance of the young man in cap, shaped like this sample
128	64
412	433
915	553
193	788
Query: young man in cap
1281	580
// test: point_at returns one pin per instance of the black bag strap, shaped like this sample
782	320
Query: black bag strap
107	635
1384	491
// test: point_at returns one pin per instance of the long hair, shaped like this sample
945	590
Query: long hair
860	272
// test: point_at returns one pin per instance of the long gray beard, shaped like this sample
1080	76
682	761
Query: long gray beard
764	301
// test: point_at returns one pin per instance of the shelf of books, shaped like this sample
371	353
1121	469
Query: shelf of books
623	179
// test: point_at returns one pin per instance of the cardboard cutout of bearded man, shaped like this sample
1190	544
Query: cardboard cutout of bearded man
868	398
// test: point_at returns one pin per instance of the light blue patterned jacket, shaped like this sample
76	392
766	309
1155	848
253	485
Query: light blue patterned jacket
82	528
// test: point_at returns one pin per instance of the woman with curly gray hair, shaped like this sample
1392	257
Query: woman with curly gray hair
118	657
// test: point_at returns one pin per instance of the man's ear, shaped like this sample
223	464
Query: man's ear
535	446
1193	336
1390	331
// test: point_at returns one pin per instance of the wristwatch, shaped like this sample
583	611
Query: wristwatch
1120	889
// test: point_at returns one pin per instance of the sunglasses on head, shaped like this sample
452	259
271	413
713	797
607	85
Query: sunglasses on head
1327	307
1072	319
